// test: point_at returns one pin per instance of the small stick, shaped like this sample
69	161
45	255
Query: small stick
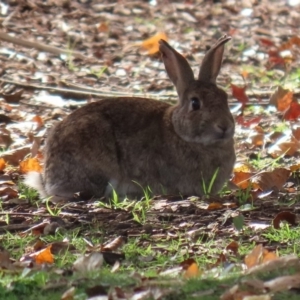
40	46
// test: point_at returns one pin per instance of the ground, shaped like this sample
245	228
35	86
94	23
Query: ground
60	55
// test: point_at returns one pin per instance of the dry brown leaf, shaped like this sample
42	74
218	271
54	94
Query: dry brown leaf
68	294
296	133
282	99
30	165
214	206
87	263
114	245
295	40
242	179
256	139
103	27
284	147
268	180
295	167
284	216
8	192
233	247
258	256
283	283
13	157
151	44
5	262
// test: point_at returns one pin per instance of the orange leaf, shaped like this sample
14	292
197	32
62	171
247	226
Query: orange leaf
258	256
294	168
30	165
293	112
239	93
44	256
191	268
282	99
151	44
295	40
2	164
215	205
103	27
242	179
38	120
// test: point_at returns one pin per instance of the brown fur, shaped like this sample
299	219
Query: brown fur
114	143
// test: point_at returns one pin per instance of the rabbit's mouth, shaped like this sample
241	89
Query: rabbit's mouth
217	136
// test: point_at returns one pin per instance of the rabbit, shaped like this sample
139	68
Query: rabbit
127	144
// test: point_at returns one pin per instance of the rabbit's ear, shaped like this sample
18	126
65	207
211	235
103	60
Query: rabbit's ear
212	61
177	67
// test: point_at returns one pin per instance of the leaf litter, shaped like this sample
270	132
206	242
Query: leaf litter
70	63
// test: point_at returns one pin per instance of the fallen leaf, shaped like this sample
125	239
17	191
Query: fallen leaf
233	247
295	40
68	294
30	165
5	262
281	98
295	167
44	256
39	121
2	164
266	42
283	283
248	122
103	27
190	267
13	98
268	180
284	147
114	245
152	45
13	157
275	58
214	206
293	112
284	216
239	93
242	179
258	256
89	262
8	193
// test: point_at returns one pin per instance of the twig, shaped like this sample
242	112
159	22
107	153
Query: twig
85	90
31	44
24	214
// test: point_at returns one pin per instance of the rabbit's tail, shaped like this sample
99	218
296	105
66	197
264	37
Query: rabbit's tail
35	180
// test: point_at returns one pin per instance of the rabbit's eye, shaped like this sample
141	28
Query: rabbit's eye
195	103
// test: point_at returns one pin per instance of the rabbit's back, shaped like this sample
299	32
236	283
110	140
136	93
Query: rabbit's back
115	143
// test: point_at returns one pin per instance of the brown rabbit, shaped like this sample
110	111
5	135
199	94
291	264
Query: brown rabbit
128	143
